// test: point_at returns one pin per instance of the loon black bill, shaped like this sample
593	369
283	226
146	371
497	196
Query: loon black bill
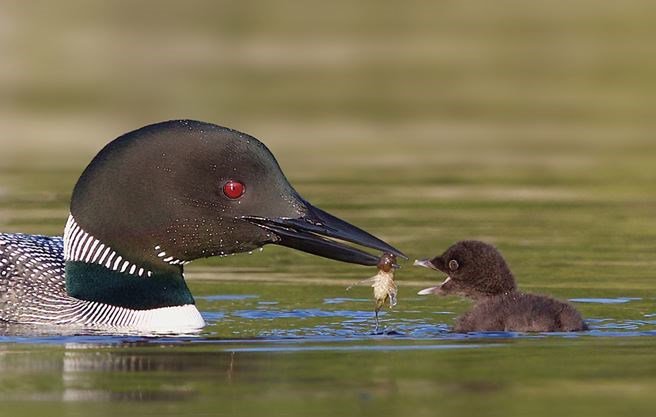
310	234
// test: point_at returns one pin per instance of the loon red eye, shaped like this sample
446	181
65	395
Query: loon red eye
233	189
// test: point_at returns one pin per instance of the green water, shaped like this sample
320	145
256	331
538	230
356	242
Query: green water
504	377
529	125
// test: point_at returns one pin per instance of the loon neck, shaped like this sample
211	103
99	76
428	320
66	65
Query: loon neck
96	272
92	282
81	246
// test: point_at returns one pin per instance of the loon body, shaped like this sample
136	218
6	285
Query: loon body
33	291
478	271
150	202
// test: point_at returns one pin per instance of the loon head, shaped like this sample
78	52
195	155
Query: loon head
475	269
166	194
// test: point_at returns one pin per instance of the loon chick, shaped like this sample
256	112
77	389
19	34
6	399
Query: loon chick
478	271
150	202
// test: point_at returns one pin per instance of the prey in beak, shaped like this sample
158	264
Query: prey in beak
320	233
385	288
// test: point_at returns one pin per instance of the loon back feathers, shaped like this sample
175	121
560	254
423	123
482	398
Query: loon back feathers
33	291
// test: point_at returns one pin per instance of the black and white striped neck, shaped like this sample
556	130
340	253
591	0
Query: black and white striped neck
81	246
96	272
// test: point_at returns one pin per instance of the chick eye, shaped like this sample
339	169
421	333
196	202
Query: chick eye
453	264
233	189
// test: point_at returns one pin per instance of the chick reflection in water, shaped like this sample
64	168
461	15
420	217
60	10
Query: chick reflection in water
383	284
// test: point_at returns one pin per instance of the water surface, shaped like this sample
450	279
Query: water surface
291	349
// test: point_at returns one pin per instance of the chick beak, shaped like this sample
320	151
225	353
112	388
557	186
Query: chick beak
425	263
434	290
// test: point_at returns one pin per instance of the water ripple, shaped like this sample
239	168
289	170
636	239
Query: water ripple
411	322
360	348
617	300
341	300
300	314
228	297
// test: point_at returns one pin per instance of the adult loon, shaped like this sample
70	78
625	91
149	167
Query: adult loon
150	202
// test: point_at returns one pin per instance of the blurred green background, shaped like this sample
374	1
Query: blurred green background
542	84
527	124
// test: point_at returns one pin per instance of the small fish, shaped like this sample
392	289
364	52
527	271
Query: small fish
383	284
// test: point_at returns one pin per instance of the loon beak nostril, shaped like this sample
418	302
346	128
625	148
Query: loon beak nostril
314	233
